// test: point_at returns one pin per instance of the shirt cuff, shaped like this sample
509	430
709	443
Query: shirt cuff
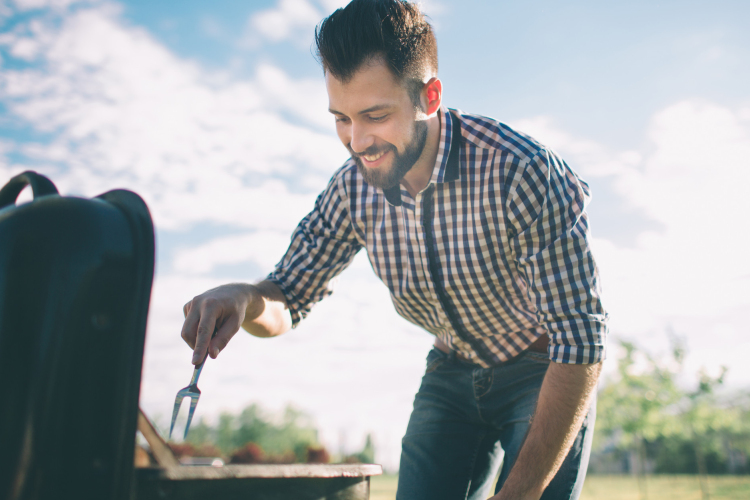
290	299
577	355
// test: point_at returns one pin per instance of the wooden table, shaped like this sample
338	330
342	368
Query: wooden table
257	482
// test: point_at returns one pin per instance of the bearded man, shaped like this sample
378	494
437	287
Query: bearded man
481	235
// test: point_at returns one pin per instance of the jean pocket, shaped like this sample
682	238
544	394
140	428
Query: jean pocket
435	358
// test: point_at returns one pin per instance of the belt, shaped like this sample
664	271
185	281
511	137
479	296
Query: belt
539	345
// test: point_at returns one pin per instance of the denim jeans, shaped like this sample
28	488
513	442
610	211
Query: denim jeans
469	420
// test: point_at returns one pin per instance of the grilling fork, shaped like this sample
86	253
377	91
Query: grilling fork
192	392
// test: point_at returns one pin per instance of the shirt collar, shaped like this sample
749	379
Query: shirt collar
447	158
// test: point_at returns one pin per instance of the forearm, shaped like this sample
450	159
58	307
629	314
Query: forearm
564	400
214	317
267	313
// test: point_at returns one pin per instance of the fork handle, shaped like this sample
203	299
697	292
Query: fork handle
197	372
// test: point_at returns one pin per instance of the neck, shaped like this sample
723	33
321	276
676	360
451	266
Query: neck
417	178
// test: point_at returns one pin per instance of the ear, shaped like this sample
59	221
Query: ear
433	93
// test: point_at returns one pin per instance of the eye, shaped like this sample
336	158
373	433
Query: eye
341	119
378	118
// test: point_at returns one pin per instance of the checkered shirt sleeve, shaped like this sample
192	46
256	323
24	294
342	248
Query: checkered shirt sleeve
548	231
322	246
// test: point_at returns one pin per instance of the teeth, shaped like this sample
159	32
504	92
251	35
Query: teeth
373	158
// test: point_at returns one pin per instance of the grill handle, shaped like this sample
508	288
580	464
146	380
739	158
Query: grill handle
40	186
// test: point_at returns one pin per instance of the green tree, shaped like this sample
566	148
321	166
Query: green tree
703	419
295	432
643	412
292	432
224	433
367	455
633	408
738	439
253	425
200	433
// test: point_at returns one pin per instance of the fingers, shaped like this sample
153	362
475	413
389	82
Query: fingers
212	319
201	317
210	313
190	326
223	335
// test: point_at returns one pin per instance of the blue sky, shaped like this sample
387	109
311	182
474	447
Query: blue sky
216	114
586	62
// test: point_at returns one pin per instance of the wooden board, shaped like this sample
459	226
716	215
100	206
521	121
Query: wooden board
257	482
163	455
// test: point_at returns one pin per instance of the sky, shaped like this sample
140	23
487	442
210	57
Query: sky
215	113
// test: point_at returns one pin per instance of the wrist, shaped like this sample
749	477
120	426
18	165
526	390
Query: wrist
252	298
266	310
515	489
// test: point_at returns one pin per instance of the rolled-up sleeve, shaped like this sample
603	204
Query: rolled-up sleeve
322	246
549	237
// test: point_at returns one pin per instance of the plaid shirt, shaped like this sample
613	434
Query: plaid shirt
489	256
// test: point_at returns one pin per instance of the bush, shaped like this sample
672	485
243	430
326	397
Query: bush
182	449
288	457
251	453
317	455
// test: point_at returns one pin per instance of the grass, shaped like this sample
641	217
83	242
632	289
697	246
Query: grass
663	487
383	487
600	487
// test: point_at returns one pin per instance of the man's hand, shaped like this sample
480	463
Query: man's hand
564	401
261	309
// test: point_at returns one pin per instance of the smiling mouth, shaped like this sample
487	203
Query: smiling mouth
372	160
374	157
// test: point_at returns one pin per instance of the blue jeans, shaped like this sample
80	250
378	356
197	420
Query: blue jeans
468	420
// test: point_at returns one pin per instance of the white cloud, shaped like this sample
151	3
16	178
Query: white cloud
305	97
692	180
693	184
590	158
54	4
295	20
330	5
263	248
212	28
432	7
124	111
292	20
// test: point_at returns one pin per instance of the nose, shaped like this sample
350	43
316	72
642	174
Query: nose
361	138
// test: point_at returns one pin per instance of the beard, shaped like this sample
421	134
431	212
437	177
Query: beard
401	163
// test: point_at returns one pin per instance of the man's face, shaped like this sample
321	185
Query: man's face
378	123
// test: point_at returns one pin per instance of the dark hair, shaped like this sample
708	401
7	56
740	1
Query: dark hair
393	29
